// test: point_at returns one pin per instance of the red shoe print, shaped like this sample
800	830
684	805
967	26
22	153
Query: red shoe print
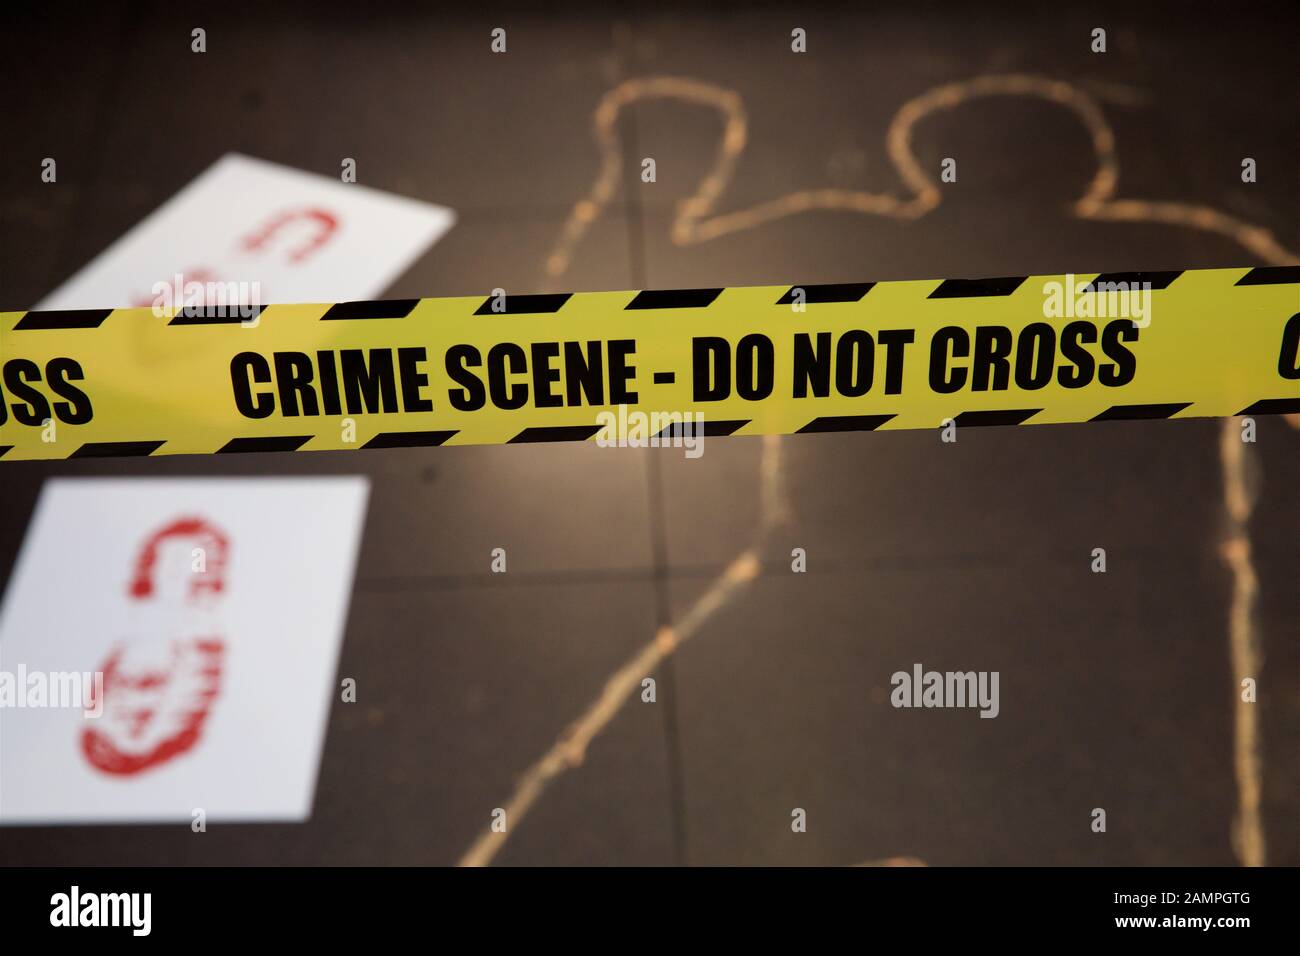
160	686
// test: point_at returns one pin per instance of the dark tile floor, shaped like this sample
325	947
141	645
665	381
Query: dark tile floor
1116	690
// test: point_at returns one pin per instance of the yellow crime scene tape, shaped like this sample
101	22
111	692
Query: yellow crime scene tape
648	366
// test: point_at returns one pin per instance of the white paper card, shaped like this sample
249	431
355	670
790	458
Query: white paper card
286	235
213	609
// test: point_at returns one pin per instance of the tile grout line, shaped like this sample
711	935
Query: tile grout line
657	525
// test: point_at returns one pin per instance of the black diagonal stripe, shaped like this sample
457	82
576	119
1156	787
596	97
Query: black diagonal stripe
116	449
972	288
673	299
1273	406
64	319
1134	280
264	443
408	439
845	423
1007	416
1119	413
554	433
1271	275
216	315
370	309
718	429
524	304
4	450
833	292
721	429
